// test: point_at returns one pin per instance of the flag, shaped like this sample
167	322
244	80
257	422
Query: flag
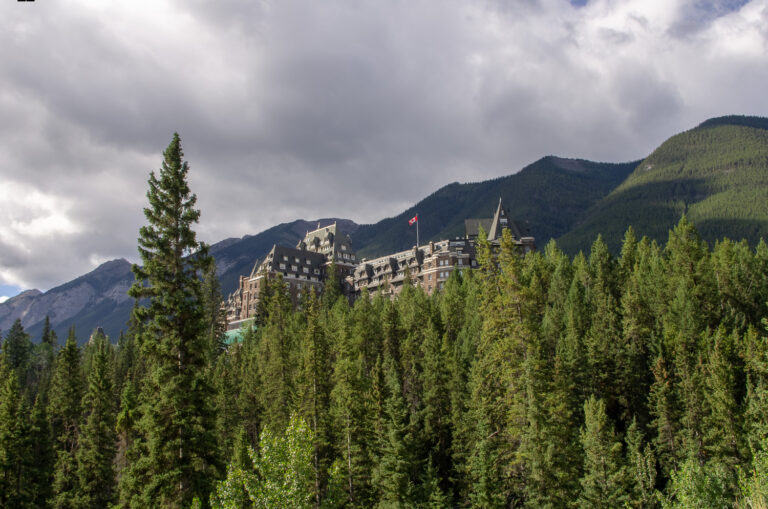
414	219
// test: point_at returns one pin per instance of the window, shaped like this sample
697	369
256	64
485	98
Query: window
306	270
429	278
285	258
282	266
294	268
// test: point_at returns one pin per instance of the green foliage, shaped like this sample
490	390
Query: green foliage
65	414
535	381
281	474
697	485
604	481
98	439
715	174
14	446
181	458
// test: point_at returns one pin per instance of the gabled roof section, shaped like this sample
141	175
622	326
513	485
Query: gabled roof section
494	232
255	269
492	226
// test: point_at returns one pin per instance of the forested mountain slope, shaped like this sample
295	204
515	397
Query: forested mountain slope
716	174
551	195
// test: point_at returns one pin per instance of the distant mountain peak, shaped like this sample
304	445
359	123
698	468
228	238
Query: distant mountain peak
25	295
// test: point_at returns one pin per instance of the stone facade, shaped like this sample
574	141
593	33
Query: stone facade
305	267
302	268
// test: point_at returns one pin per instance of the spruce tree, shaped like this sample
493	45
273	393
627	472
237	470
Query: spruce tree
215	315
277	357
392	475
641	470
98	439
604	484
14	446
17	351
182	458
44	355
314	392
41	455
64	410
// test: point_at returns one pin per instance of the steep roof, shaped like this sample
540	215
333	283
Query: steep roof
493	226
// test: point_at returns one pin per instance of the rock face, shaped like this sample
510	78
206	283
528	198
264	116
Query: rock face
70	304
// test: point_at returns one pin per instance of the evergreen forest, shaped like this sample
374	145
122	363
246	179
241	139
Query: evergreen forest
600	381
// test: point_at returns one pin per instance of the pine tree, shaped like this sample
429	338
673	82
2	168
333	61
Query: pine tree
665	411
723	438
64	411
392	475
44	355
436	411
277	358
14	446
98	439
17	351
332	288
177	423
641	470
604	484
215	315
41	455
128	450
314	395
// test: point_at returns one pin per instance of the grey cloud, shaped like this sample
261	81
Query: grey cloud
307	109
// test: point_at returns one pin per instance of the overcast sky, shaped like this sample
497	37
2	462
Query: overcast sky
355	109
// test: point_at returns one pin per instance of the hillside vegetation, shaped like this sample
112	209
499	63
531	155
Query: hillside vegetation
716	174
551	195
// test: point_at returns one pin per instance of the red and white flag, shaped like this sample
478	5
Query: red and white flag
414	219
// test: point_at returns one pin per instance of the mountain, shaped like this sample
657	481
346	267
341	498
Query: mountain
98	298
550	195
716	174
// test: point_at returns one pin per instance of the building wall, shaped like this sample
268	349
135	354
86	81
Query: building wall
306	266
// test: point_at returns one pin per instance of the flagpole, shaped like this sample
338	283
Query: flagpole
417	230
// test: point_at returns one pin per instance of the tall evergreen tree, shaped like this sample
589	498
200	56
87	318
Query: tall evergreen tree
604	484
215	315
352	411
17	351
392	474
314	391
14	446
41	455
177	424
64	411
641	470
98	439
277	357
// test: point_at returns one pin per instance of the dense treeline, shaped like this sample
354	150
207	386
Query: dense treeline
542	381
539	381
715	174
